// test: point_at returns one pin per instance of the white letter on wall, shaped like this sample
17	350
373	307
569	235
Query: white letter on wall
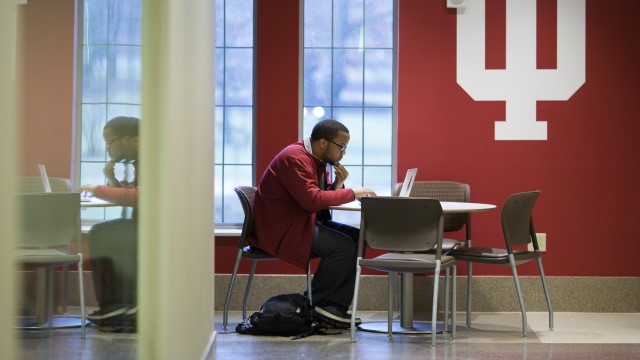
520	84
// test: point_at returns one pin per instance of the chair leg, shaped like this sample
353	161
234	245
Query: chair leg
245	300
469	289
446	299
83	311
434	309
519	291
453	302
309	295
354	302
546	293
225	313
390	304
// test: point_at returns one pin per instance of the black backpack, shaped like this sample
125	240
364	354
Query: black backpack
282	315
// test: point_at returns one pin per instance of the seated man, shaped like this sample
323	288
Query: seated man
292	221
113	245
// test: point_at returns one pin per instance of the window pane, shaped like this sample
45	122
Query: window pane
317	77
220	76
347	78
114	110
124	74
94	74
317	23
378	20
124	22
352	119
237	145
348	23
238	85
220	23
378	78
239	23
217	193
93	120
235	176
95	22
378	178
378	140
219	135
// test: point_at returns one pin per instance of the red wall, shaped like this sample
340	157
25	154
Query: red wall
587	169
45	71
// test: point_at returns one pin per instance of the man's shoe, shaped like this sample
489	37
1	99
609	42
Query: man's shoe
334	315
102	317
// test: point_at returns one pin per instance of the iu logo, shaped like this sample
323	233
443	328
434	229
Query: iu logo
520	84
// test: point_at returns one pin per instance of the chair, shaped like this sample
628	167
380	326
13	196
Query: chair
406	228
518	230
34	184
447	191
247	194
50	224
30	184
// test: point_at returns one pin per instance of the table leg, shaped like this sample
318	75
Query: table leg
407	324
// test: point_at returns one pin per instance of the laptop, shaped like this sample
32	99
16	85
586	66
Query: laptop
45	178
409	179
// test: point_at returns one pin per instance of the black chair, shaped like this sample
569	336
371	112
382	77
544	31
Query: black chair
247	194
406	228
518	231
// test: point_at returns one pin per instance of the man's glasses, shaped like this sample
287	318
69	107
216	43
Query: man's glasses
342	147
108	143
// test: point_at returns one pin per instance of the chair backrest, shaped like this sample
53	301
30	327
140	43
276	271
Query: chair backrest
31	184
517	221
247	195
401	224
49	219
445	191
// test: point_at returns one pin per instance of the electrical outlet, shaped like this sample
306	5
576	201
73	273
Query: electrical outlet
542	242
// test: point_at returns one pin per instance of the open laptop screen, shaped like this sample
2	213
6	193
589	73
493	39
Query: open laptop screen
409	178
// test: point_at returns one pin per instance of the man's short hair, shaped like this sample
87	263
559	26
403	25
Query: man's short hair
327	129
123	126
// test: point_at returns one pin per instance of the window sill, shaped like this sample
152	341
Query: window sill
225	231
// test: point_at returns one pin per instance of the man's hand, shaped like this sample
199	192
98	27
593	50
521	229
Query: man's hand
363	192
109	172
88	188
341	172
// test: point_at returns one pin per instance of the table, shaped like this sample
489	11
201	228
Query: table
95	202
407	325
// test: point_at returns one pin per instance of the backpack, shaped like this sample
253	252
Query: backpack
282	315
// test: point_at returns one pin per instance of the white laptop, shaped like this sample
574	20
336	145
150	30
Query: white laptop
409	179
45	178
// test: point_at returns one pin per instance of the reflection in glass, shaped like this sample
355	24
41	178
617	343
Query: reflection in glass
124	74
111	73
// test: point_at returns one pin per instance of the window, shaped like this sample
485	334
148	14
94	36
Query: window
234	106
349	76
111	72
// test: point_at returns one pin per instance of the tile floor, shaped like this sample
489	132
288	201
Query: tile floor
583	336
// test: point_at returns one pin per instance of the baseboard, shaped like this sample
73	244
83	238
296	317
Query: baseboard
489	293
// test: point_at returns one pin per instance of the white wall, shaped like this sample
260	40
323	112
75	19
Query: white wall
176	294
8	147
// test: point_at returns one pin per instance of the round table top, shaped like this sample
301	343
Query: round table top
447	207
94	202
